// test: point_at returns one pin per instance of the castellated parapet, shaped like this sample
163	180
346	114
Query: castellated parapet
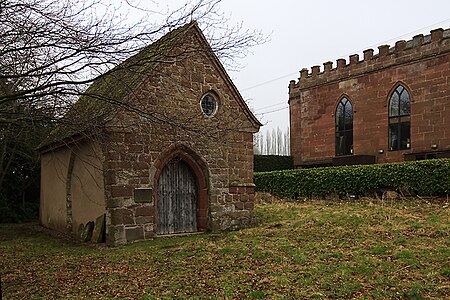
365	84
419	48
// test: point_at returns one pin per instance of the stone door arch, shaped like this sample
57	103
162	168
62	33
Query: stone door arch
177	199
181	190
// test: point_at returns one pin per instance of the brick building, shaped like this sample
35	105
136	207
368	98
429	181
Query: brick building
390	106
163	144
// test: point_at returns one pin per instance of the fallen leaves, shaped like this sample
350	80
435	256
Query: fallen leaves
300	250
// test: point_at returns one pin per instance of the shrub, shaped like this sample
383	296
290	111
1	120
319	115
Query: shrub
426	178
265	163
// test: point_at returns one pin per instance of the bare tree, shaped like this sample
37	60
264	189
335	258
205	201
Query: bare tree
273	142
51	51
280	142
273	146
268	143
287	142
257	149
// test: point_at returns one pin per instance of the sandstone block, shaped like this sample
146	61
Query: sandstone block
144	211
144	220
120	216
134	234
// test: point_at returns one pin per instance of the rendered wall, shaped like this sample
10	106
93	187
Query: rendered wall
422	65
54	168
87	187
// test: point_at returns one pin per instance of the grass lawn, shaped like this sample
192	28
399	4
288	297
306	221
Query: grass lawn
366	249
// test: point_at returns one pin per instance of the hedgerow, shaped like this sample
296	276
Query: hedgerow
425	178
265	163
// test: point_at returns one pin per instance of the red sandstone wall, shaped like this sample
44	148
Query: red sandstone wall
222	145
422	65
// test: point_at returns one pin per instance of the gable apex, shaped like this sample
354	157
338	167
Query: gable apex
221	70
99	103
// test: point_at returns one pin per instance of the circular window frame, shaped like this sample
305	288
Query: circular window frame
215	99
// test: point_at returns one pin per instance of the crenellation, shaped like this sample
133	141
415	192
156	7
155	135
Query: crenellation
304	73
383	50
417	40
315	71
419	47
400	46
437	35
327	66
291	84
354	59
420	65
368	54
341	63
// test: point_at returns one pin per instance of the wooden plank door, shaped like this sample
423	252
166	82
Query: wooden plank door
177	199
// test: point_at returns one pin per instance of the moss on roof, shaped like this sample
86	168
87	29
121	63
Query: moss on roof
99	102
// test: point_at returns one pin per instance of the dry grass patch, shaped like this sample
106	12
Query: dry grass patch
313	250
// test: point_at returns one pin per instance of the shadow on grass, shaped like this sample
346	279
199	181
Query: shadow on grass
34	232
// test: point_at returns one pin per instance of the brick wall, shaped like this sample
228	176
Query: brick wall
169	121
421	65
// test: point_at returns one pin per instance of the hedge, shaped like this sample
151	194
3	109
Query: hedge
425	178
265	163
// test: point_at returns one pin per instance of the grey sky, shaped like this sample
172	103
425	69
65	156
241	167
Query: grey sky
307	33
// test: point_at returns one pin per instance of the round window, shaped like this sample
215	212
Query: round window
209	105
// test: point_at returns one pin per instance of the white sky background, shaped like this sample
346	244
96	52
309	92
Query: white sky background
305	33
308	33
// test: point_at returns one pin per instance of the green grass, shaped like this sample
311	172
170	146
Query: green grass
311	250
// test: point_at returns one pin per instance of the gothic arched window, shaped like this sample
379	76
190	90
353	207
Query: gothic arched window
399	119
344	127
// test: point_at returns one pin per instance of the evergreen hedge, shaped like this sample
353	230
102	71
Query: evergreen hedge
425	178
265	163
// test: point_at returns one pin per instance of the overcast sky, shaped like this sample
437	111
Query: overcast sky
307	33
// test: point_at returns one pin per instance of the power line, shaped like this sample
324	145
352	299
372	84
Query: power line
272	111
291	74
269	81
380	43
403	35
269	106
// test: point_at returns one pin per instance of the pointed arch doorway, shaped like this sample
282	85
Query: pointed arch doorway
177	198
181	195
